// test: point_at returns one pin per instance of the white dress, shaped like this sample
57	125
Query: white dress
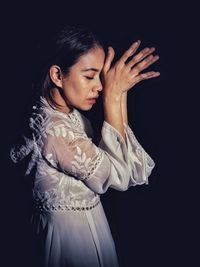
70	172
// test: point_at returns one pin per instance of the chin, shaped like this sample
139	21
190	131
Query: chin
85	108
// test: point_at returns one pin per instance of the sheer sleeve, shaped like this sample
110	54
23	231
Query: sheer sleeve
110	164
139	162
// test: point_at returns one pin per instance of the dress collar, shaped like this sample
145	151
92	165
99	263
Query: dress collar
73	115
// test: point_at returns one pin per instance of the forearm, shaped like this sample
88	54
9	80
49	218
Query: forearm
113	114
124	108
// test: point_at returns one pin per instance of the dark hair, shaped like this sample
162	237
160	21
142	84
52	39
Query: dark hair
64	50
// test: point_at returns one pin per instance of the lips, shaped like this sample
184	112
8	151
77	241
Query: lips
92	98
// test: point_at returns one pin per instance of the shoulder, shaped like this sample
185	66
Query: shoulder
48	120
58	124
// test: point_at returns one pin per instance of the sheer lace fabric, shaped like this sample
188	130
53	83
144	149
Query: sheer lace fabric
70	172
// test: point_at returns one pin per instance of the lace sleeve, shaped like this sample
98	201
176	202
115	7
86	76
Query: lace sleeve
110	164
75	154
139	161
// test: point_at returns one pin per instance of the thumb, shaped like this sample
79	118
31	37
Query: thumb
109	59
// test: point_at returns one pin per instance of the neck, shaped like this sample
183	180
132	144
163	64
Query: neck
60	101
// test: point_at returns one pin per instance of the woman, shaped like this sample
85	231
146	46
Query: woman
68	167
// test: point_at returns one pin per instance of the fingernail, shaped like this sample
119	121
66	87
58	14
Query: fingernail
135	44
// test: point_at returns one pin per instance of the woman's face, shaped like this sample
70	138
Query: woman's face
82	85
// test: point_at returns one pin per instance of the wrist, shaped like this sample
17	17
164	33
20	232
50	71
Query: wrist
112	99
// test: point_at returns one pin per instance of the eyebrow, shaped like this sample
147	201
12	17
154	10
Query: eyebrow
89	69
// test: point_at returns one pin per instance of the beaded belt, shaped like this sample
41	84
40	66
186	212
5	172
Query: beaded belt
46	207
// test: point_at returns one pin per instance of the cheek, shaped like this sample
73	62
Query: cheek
84	86
80	89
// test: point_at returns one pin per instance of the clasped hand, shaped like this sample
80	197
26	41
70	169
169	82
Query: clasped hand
123	75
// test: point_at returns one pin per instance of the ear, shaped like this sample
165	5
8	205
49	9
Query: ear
56	75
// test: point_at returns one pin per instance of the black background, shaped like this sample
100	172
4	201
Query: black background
154	224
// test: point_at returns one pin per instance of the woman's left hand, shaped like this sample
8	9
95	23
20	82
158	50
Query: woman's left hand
125	75
140	62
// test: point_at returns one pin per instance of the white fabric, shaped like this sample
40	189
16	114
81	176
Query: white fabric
70	172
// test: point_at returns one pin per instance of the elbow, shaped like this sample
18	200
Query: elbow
121	181
97	186
100	190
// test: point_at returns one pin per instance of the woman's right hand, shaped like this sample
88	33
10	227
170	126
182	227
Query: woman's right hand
122	76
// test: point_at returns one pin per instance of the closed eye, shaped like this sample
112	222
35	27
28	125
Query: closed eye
89	78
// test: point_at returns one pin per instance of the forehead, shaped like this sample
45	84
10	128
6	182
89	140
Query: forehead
94	58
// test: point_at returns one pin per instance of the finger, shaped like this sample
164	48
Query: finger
143	53
144	64
109	59
132	49
145	76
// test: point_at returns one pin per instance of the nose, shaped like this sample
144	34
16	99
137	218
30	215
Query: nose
98	86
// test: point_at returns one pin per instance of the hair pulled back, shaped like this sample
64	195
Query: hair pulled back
64	50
